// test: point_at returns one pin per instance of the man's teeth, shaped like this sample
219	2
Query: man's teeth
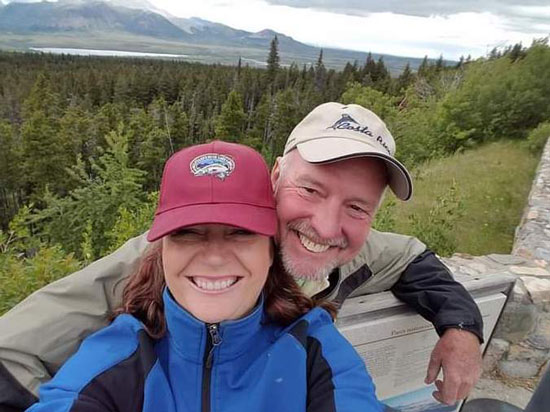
206	284
312	246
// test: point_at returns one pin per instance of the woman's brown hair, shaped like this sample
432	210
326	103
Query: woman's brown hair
142	296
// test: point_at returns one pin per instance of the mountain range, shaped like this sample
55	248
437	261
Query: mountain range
138	26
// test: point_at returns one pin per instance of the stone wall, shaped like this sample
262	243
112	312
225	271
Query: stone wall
521	343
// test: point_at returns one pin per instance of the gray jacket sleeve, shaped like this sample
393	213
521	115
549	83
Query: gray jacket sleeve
42	331
416	276
387	255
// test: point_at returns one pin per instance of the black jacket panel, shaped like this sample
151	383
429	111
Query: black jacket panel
428	287
13	396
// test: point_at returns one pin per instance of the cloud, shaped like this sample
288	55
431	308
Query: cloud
523	16
388	32
420	8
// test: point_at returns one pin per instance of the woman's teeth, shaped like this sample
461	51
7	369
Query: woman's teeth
312	246
207	284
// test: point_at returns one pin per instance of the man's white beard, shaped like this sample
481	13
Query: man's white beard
302	272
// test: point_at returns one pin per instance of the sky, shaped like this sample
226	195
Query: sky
406	28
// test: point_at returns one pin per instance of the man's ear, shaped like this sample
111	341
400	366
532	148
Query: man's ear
276	173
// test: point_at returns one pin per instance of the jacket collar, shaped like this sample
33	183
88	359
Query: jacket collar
189	336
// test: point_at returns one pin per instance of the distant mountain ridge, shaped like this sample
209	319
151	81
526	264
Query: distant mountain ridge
132	16
84	16
137	25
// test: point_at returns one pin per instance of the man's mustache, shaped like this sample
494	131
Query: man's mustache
302	226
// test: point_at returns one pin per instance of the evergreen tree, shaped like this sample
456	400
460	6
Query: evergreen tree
92	208
74	130
382	79
516	52
45	155
424	67
231	122
439	64
136	130
273	65
405	78
179	126
369	70
348	74
263	124
154	151
237	77
285	116
320	73
10	174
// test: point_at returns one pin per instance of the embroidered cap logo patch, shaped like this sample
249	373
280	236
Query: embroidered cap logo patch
349	123
212	164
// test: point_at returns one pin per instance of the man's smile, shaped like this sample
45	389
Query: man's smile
310	245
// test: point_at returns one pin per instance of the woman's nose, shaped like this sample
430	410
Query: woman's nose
216	251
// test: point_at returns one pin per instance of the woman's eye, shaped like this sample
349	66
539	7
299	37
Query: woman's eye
185	233
241	232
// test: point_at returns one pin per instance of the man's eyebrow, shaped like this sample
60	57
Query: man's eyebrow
365	203
308	179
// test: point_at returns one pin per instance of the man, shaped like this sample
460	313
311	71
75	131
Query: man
328	185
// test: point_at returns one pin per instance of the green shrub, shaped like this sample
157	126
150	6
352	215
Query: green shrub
380	103
384	220
21	275
131	223
80	221
538	137
437	228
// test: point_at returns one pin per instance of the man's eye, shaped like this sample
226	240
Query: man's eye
309	190
358	209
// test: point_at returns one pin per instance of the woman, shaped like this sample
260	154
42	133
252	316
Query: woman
210	321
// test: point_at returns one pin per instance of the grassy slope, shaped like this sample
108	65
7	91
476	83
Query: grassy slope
493	184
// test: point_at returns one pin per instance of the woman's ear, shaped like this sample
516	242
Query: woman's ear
272	252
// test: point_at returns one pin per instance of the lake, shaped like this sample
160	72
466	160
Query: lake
94	52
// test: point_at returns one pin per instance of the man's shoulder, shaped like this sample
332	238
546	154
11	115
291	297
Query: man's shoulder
379	242
383	248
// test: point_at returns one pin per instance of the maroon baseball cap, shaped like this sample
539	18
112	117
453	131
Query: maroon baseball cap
217	182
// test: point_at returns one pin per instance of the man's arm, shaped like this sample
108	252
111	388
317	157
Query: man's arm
41	332
428	287
416	276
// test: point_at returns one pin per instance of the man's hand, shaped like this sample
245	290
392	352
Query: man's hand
458	353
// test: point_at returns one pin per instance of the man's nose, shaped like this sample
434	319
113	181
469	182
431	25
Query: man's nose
326	220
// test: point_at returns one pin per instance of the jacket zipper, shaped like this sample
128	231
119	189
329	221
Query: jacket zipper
213	339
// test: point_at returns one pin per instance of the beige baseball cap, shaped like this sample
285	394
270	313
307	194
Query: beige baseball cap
334	131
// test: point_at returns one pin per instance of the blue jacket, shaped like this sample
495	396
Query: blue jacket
246	365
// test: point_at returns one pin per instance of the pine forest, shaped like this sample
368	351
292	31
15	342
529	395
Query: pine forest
83	140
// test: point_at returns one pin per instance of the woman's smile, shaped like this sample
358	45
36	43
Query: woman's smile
216	271
214	285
